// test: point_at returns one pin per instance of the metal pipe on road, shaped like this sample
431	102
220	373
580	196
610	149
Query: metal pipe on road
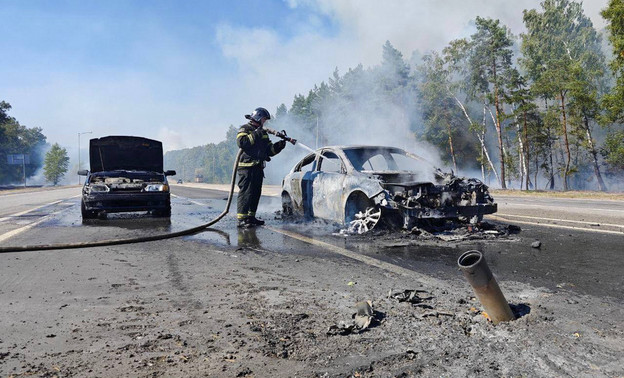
478	274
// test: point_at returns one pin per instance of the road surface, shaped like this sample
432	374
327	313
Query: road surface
259	302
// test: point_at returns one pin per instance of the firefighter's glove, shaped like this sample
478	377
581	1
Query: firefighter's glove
278	146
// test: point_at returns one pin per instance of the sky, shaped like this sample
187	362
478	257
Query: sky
183	71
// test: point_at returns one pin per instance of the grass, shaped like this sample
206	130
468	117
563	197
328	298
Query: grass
558	194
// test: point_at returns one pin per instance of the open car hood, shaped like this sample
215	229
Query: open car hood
128	153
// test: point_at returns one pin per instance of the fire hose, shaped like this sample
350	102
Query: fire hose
102	243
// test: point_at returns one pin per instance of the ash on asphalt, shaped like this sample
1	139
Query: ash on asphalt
507	249
258	303
566	260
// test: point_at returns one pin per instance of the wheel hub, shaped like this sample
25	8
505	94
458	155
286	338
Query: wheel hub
365	220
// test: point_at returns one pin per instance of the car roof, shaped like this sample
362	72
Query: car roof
355	147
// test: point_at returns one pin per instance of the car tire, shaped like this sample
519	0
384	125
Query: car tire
361	214
86	214
166	212
288	209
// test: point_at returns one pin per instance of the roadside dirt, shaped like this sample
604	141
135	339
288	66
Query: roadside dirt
576	194
185	308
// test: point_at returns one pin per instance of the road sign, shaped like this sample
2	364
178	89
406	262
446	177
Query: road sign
18	159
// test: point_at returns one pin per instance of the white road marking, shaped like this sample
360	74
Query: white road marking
190	200
356	256
558	207
8	217
17	231
30	192
501	218
563	220
12	216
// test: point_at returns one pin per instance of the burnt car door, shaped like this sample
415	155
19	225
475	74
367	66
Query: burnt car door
328	186
301	184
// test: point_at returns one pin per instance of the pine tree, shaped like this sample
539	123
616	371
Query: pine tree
614	102
560	43
489	61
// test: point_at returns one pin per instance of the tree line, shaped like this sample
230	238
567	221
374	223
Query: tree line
209	163
17	139
542	110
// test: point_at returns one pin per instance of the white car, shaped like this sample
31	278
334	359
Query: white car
360	185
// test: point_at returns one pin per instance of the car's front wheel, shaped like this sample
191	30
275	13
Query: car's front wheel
361	214
166	212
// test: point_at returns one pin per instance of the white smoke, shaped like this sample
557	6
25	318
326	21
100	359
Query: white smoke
175	89
171	139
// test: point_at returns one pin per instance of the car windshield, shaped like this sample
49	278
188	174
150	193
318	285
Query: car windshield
382	159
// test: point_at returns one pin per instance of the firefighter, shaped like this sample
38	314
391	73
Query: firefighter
257	150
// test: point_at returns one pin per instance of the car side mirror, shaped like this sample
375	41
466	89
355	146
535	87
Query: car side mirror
83	172
170	173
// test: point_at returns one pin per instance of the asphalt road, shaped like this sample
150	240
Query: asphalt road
581	240
580	254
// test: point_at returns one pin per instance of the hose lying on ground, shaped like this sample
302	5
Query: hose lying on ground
103	243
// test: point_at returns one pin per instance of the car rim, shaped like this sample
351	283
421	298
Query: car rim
365	220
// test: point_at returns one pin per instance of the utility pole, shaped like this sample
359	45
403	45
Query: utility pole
79	134
24	168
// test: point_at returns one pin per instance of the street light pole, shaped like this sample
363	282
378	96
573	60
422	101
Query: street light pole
79	134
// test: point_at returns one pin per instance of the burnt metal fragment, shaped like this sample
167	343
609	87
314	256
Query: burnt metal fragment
364	314
411	296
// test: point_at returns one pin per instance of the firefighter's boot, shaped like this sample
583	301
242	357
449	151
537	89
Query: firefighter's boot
255	221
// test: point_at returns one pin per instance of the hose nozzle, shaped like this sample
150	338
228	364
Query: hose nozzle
281	134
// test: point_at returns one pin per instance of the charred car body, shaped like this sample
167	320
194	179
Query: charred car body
126	175
361	185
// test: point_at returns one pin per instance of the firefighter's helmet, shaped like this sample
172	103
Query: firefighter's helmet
258	114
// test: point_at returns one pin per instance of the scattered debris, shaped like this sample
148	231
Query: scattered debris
342	329
364	314
445	230
245	372
451	238
435	314
411	296
536	244
362	319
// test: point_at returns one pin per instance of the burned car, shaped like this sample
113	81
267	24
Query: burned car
360	186
126	175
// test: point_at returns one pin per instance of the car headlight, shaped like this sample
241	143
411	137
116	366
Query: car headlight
156	188
100	188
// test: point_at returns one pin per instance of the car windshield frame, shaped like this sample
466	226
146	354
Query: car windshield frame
359	156
326	155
